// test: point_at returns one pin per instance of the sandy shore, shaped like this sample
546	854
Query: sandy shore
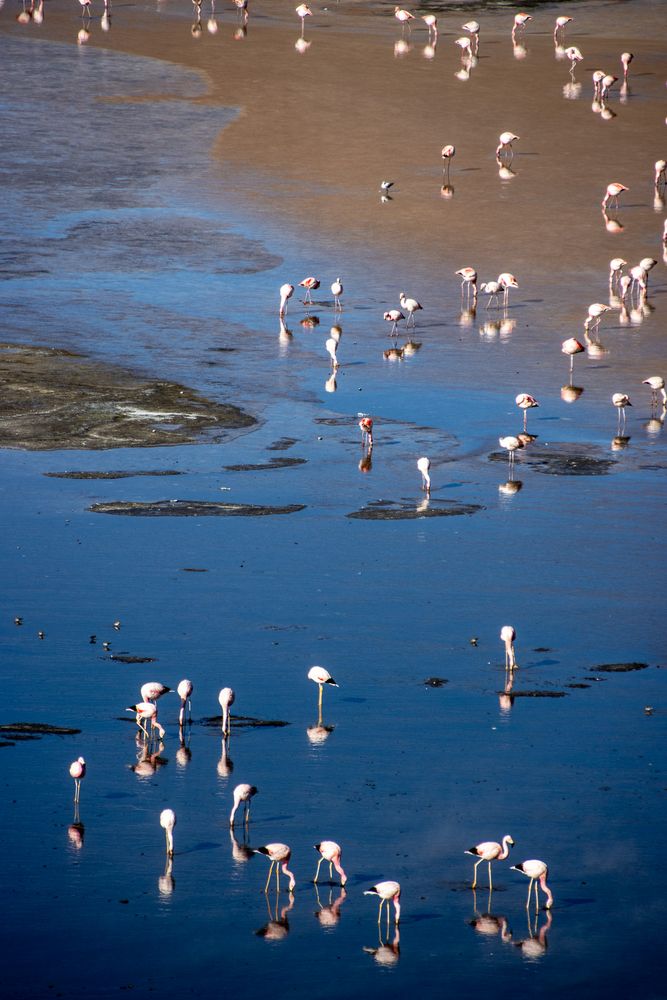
317	131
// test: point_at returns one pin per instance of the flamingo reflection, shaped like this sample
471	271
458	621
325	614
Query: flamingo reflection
277	928
328	914
166	882
387	952
534	947
225	765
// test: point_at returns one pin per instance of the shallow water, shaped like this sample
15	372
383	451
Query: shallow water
125	240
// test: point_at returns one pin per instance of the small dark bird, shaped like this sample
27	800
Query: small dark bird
18	620
41	635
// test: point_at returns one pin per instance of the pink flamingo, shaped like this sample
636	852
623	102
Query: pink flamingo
337	291
490	851
146	711
168	822
505	140
77	770
536	871
226	699
572	347
152	690
611	194
303	11
525	402
393	316
286	292
626	59
184	690
311	285
468	277
242	794
424	465
278	855
508	635
507	281
321	676
387	891
561	22
366	427
330	851
411	306
656	383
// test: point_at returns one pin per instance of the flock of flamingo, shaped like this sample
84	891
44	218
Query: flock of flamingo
623	287
279	854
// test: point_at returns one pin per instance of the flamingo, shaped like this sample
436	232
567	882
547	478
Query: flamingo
226	698
303	11
511	444
385	187
493	290
507	281
403	16
286	292
611	194
278	855
490	851
525	402
598	77
660	174
337	291
77	770
146	711
411	306
595	313
616	265
465	44
242	794
184	690
656	384
168	822
85	8
366	428
574	55
468	277
152	690
508	635
310	284
572	347
331	345
472	27
536	871
321	676
393	316
431	22
608	81
620	401
330	851
387	891
424	464
626	59
520	21
561	22
448	153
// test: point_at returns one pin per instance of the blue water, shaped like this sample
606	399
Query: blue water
119	241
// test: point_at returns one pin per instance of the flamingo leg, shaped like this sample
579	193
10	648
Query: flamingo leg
530	889
247	812
317	873
277	877
331	871
474	878
490	879
380	911
319	703
525	418
266	887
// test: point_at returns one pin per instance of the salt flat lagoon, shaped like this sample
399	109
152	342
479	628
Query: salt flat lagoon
158	188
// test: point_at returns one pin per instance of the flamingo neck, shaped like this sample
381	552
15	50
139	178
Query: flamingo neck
505	851
397	907
286	871
339	868
547	891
